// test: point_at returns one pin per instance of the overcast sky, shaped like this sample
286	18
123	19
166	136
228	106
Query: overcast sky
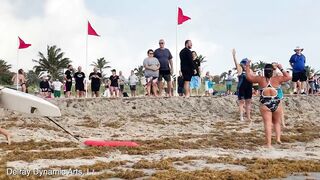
260	30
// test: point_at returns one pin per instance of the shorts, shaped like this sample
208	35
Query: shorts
312	85
95	88
114	89
57	93
244	93
180	90
280	93
187	75
151	79
44	89
165	74
195	82
229	86
80	87
133	87
121	87
256	88
302	76
68	86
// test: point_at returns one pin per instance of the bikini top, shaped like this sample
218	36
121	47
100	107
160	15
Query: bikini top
269	86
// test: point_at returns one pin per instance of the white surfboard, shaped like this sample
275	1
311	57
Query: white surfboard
27	103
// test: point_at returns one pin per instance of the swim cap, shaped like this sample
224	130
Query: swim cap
244	61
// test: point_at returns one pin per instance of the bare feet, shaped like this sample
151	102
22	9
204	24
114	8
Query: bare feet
279	142
9	139
283	124
269	146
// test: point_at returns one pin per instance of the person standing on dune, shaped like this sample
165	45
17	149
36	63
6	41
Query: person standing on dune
95	78
271	107
68	80
166	66
187	66
79	77
297	62
244	88
151	72
21	80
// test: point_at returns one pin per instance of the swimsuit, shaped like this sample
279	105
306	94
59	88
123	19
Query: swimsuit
272	102
244	88
280	92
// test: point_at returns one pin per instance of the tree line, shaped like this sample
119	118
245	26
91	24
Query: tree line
54	62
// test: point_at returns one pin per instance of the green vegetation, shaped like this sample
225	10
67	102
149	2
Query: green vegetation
5	74
101	64
53	62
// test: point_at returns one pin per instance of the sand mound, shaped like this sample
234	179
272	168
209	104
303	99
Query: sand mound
177	135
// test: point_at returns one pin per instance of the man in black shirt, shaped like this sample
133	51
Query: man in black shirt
114	84
68	79
79	78
187	66
95	78
44	86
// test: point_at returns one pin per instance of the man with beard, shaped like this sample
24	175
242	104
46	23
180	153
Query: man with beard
187	66
95	78
68	79
79	78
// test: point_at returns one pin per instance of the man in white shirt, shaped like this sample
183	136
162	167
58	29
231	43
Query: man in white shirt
57	88
133	79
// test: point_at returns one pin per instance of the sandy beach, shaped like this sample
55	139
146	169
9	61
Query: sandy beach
179	138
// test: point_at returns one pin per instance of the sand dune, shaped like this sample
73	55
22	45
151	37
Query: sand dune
177	136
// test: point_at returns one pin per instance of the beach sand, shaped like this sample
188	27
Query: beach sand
179	138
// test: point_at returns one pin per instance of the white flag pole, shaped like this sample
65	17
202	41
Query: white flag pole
177	71
17	76
86	79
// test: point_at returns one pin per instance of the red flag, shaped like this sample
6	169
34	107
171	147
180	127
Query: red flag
22	44
182	18
91	31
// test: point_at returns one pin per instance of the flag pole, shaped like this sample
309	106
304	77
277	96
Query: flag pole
86	79
177	72
17	77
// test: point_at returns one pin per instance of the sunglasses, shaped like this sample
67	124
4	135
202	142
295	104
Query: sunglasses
161	42
151	53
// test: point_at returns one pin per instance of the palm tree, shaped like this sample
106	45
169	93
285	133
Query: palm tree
202	59
309	70
101	64
5	74
53	62
32	78
4	67
223	76
260	65
216	79
254	66
139	72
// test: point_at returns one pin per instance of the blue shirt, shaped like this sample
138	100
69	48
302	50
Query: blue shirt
163	55
210	84
298	62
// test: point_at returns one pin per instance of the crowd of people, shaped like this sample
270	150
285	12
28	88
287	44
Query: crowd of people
158	71
157	80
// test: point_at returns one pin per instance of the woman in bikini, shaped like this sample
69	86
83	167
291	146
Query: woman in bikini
21	80
271	108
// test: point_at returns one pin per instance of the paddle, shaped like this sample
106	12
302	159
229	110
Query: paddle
74	136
